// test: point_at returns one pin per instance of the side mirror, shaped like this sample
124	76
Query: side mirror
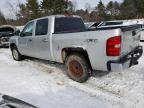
17	33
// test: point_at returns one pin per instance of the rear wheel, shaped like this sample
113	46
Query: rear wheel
16	55
78	68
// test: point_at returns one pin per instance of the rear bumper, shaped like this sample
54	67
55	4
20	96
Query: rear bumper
126	61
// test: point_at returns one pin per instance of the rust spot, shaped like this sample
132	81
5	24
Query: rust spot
76	69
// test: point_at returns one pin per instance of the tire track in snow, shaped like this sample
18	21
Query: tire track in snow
109	92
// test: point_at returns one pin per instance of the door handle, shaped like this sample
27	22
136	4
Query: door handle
30	40
45	40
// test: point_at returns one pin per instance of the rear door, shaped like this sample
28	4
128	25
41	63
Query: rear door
42	39
25	41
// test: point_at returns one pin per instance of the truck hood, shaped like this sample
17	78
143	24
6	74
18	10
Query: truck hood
6	31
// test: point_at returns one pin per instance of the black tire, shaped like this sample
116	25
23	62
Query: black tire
16	55
78	68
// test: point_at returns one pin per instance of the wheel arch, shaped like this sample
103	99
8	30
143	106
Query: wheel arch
12	45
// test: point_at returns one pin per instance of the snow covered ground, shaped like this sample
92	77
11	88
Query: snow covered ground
46	85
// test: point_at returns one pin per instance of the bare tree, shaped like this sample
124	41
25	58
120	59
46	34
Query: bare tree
74	5
11	7
2	19
88	7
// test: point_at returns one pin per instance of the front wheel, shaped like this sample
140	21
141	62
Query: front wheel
16	55
78	68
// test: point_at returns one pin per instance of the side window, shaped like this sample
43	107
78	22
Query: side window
41	27
28	30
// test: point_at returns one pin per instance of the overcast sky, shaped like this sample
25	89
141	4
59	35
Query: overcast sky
8	12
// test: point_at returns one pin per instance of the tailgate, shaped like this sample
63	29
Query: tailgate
130	38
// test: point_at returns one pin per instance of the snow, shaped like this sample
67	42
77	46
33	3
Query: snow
46	85
42	83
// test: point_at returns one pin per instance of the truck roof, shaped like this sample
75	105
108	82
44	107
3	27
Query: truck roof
57	16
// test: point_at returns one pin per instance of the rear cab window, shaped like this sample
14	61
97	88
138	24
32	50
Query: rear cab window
68	25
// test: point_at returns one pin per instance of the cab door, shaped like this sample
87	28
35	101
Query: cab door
25	40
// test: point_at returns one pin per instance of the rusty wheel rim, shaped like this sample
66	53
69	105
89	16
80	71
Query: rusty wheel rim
76	69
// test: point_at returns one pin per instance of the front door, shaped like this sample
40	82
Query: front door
25	40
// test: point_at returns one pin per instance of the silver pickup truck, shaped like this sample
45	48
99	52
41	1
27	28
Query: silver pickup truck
65	39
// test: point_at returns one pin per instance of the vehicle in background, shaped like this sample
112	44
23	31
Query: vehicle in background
91	25
10	102
142	32
20	28
109	24
6	31
65	39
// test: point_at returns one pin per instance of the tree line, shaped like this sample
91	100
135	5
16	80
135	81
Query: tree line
113	10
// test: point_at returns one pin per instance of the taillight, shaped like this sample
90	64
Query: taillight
113	47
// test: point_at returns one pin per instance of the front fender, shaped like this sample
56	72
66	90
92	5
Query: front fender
13	40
